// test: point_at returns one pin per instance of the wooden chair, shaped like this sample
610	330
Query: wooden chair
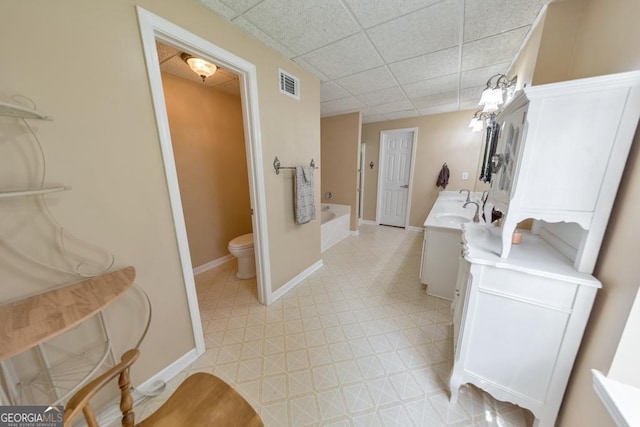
201	400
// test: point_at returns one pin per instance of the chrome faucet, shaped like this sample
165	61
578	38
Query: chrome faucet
476	218
468	193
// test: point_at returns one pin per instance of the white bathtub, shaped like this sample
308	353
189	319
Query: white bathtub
335	221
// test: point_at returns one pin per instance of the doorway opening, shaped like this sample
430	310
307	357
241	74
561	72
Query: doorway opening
395	176
154	28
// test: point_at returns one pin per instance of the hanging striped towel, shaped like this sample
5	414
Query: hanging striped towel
304	205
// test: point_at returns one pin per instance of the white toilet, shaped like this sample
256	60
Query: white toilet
242	248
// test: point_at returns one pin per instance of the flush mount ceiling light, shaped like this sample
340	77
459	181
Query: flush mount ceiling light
201	67
494	93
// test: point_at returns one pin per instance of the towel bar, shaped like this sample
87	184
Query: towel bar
277	167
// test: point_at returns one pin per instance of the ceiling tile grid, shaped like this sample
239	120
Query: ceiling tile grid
391	58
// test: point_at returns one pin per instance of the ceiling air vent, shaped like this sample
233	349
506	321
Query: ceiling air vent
289	85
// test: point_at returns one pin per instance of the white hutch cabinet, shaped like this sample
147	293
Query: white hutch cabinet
520	311
562	150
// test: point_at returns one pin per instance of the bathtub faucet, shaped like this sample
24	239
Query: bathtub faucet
328	195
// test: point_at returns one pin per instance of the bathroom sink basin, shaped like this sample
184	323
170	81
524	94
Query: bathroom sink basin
449	218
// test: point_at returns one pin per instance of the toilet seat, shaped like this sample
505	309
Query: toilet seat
242	242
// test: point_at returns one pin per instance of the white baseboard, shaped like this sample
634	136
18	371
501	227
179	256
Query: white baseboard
212	264
354	232
111	414
162	377
366	221
293	282
416	229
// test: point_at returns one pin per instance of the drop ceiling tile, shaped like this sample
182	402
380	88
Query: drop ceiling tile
165	52
394	106
479	76
344	57
432	86
471	104
383	96
368	81
373	12
340	106
303	25
427	66
231	87
450	97
471	93
433	28
310	68
330	91
438	109
220	8
489	17
401	114
492	50
372	118
263	37
223	75
240	6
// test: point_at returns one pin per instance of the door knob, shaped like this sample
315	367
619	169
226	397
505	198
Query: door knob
404	186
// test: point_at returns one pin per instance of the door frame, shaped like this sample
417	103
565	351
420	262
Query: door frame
153	27
361	157
382	166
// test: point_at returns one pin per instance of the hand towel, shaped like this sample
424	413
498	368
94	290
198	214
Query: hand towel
304	205
443	177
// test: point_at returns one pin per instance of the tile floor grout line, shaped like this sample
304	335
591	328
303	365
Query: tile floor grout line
303	360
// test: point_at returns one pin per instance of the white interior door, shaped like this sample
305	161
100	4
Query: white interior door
395	173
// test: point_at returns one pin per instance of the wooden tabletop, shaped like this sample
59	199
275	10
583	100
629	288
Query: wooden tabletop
27	322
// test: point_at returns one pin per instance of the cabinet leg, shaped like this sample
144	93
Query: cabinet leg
454	390
545	418
508	226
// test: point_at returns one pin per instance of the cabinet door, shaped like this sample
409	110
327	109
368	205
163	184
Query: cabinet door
508	152
441	252
459	299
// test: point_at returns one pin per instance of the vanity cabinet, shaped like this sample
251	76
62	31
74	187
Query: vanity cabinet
561	153
518	322
442	242
440	253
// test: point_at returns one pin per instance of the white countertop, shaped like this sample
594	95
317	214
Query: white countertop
447	211
534	255
621	400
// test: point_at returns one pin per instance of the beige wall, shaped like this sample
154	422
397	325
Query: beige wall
104	144
442	138
525	64
584	39
211	161
557	43
339	147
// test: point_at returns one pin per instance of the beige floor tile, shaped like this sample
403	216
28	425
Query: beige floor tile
358	343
